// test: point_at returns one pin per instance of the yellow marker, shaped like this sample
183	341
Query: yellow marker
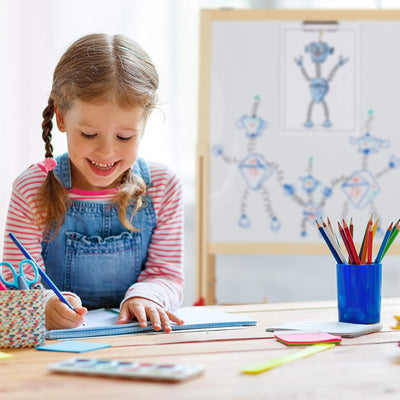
276	362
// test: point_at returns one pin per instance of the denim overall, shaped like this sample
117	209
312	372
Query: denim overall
94	255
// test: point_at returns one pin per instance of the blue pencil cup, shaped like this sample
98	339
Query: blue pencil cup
359	293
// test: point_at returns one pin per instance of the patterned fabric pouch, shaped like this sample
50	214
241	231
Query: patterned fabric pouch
21	318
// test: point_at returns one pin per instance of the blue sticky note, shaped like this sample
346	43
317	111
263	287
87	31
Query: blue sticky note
73	346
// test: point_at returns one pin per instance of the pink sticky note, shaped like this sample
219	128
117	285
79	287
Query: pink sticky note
307	338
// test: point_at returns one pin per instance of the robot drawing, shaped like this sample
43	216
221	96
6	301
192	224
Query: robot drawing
311	209
254	168
361	187
318	86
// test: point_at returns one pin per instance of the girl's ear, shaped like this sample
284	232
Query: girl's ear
59	118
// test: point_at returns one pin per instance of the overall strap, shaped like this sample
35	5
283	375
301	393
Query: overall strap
62	170
141	168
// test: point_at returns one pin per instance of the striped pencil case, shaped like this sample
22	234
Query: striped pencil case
21	318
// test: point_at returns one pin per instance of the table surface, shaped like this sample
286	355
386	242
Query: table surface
367	367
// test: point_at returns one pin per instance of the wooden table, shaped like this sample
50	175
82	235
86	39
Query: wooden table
366	367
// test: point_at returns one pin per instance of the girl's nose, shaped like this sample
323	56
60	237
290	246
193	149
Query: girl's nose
105	145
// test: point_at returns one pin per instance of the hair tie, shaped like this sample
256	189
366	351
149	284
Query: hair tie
47	165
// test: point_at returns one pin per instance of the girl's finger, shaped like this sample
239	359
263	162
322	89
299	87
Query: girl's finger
154	316
140	314
174	318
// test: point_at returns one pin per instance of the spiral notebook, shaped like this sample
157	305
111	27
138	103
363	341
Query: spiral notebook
103	322
343	329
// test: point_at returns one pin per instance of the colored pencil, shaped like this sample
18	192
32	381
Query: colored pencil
369	243
375	226
351	243
393	235
344	238
383	244
351	227
362	250
335	245
330	225
333	232
328	242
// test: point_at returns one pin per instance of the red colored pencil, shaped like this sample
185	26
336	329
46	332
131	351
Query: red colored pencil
351	243
343	235
351	227
364	246
370	239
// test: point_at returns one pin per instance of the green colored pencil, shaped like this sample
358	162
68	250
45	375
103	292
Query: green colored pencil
392	237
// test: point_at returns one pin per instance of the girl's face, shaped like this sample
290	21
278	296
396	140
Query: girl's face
103	142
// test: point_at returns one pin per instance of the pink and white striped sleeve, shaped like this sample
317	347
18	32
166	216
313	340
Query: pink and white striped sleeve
21	218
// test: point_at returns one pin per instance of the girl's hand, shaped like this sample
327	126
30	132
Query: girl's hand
60	316
142	308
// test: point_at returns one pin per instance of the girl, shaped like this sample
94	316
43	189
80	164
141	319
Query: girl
105	225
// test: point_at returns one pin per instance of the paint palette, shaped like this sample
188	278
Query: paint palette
127	369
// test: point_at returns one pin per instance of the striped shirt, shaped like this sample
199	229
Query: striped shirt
162	278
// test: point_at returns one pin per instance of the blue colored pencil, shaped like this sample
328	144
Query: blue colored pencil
383	245
41	272
328	242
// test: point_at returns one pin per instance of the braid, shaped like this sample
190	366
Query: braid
47	126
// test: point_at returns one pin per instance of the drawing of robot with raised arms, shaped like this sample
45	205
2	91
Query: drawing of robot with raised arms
361	187
319	86
254	168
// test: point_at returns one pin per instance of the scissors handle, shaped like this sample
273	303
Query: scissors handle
19	279
22	274
13	284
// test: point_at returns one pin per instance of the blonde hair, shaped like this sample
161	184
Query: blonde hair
96	68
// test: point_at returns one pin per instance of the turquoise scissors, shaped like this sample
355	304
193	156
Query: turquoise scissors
20	280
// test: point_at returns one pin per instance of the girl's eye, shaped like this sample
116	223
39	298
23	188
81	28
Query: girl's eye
124	138
88	136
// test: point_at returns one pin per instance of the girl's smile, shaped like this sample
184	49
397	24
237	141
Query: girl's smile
102	169
103	142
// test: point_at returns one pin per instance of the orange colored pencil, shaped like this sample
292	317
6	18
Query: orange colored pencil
351	243
369	243
361	253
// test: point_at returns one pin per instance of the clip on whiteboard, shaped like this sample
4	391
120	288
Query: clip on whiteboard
328	26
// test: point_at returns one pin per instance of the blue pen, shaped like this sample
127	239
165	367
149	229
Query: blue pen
41	272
